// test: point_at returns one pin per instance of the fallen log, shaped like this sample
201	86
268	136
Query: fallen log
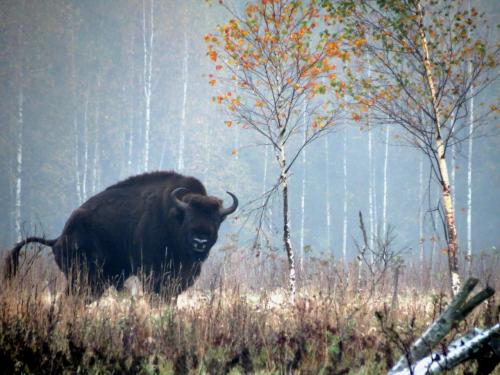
421	360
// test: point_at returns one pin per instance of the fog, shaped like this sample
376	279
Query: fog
95	91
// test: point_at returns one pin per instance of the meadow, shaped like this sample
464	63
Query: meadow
237	319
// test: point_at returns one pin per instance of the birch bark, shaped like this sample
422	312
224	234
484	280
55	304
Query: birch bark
384	201
344	227
442	167
147	75
286	220
327	196
19	161
180	161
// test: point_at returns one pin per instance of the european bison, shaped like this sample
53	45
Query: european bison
162	223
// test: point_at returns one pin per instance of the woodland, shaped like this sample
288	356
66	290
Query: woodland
362	141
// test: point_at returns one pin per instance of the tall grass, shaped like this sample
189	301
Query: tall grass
236	319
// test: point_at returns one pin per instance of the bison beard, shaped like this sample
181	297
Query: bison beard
160	223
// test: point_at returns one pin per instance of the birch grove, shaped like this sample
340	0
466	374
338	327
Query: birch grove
420	56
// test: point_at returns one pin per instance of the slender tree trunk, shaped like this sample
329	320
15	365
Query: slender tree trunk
384	201
130	140
370	190
77	160
469	177
131	106
469	189
344	227
421	211
453	170
19	160
185	72
302	203
76	129
441	163
286	220
85	148
97	140
328	201
147	75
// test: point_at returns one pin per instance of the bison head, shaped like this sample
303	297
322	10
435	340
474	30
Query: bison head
200	217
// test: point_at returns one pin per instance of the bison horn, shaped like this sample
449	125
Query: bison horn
178	203
229	210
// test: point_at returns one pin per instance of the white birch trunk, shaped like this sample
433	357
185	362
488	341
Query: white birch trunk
442	166
370	191
73	83
85	148
328	201
384	201
287	243
77	160
130	141
469	176
302	205
453	170
344	227
147	75
185	72
19	161
95	162
420	210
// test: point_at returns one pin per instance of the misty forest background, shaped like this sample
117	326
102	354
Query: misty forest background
93	92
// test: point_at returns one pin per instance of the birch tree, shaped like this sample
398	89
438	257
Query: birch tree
273	54
420	51
344	226
20	134
185	76
148	30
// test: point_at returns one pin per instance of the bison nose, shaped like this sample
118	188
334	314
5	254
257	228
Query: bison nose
200	244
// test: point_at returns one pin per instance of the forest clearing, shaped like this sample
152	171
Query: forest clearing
249	186
220	326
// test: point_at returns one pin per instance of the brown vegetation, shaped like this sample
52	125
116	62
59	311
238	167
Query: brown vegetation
220	326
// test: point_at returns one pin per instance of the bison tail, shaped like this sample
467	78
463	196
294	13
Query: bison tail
12	258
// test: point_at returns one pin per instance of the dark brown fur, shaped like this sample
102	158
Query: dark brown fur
136	225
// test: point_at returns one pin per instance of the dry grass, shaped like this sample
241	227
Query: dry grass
220	326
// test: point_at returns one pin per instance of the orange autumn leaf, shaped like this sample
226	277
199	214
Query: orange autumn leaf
213	55
259	103
212	82
332	49
228	123
360	43
356	117
234	152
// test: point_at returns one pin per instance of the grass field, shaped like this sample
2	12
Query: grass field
220	326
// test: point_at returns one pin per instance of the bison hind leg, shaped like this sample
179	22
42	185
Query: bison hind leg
76	256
